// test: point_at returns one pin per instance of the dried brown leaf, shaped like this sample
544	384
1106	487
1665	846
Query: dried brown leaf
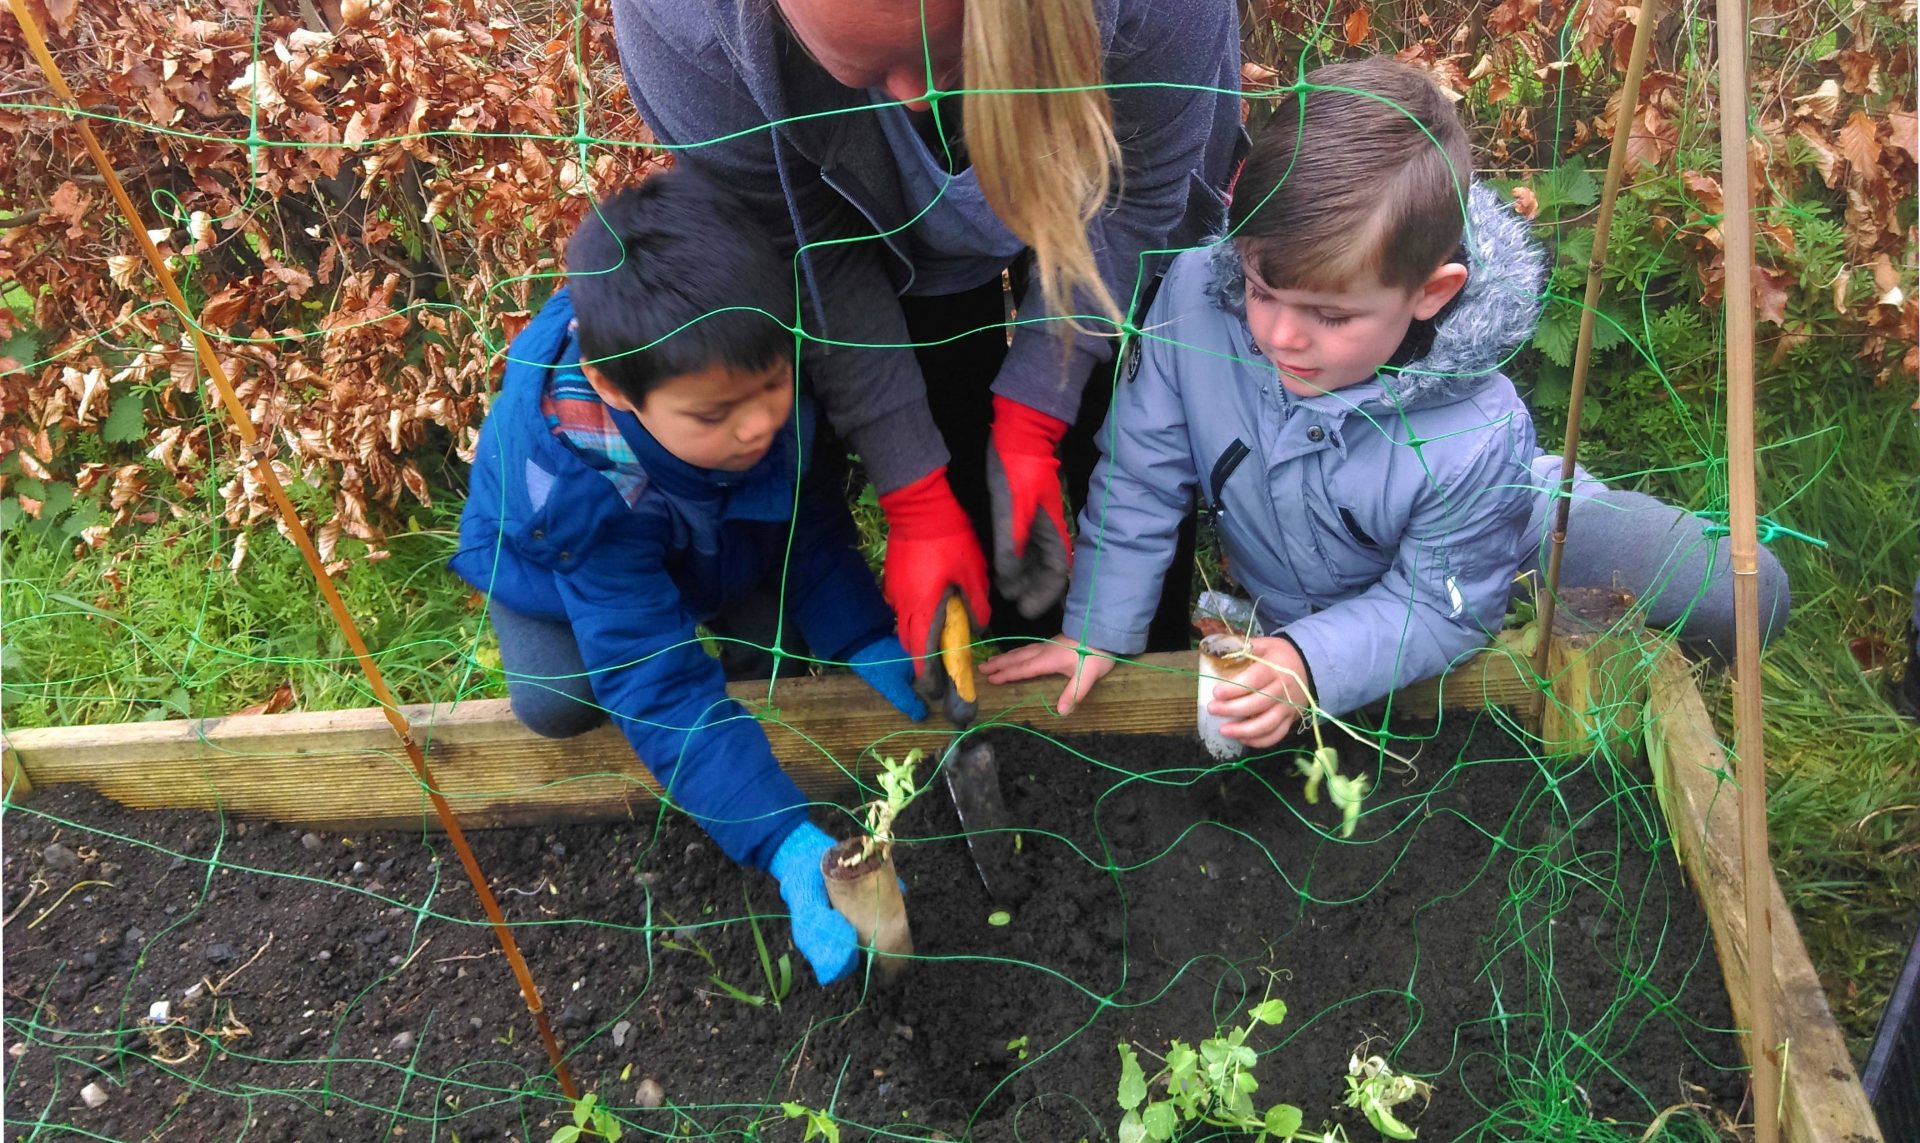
1903	131
1359	23
1706	190
1822	102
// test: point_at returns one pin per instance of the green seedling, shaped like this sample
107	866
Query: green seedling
1345	793
897	789
589	1118
1211	1085
820	1125
734	992
778	973
1373	1087
1018	1046
688	944
692	944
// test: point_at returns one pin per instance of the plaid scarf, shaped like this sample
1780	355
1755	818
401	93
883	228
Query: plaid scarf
577	415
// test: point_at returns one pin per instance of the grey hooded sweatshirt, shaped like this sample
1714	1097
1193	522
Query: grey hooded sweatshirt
1378	527
841	183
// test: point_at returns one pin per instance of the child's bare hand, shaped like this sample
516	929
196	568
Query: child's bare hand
1264	700
1058	656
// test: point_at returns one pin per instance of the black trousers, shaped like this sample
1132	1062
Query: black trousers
960	376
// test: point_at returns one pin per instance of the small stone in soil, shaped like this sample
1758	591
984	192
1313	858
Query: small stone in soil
361	867
93	1095
219	954
650	1094
476	1023
323	956
135	934
401	1043
620	1033
58	856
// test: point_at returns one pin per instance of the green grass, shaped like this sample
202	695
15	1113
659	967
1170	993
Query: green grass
154	625
1844	769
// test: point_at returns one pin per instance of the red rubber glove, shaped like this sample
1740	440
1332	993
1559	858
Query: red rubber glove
1032	549
930	547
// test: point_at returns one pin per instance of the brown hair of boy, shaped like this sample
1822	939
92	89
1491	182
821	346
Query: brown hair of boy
1368	179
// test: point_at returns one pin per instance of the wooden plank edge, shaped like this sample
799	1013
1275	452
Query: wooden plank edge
1824	1100
346	767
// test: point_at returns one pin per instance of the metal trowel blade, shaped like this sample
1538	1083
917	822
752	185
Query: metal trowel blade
973	778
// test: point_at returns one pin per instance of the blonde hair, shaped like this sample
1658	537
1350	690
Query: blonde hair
1040	136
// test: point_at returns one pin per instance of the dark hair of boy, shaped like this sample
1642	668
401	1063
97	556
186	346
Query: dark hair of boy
669	278
1340	184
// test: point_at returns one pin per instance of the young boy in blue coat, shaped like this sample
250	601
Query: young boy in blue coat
646	467
1328	382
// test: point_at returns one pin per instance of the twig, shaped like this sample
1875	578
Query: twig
50	908
410	956
1862	823
33	890
799	1057
214	989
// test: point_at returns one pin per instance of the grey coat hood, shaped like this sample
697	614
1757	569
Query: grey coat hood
1478	332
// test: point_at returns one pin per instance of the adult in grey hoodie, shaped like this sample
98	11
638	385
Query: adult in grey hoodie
879	207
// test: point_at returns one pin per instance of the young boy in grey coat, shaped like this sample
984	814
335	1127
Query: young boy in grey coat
1328	381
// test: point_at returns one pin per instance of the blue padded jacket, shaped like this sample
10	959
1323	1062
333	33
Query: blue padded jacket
547	535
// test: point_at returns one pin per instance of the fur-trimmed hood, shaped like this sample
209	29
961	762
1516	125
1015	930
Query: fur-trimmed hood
1478	331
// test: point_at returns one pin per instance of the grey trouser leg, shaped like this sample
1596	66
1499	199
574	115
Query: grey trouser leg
1659	553
546	678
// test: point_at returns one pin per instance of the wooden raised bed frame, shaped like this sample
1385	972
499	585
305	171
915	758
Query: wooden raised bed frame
345	770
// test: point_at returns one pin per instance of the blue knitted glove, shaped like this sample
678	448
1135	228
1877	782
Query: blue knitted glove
822	935
884	664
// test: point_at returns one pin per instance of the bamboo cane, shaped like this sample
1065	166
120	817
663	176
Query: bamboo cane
1736	231
1583	349
260	455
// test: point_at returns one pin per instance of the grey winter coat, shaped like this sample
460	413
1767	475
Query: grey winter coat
1378	527
722	82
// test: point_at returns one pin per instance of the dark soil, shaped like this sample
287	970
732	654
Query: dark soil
1515	930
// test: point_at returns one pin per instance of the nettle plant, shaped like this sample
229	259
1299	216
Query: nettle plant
1213	1085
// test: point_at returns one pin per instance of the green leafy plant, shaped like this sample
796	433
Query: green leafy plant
897	789
589	1119
1373	1087
1346	793
1212	1084
820	1125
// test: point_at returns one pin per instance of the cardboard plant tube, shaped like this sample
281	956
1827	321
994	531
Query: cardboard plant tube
868	895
